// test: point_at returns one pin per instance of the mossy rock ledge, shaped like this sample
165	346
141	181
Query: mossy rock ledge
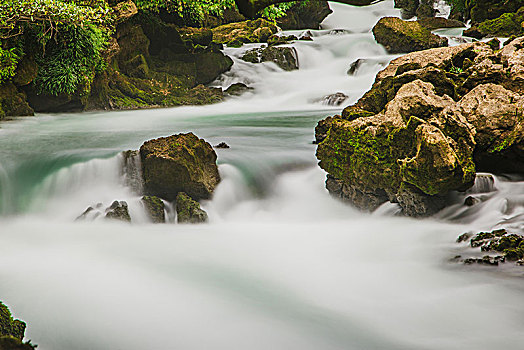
431	120
399	36
179	163
12	331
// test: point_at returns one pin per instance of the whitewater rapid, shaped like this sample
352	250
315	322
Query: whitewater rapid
281	265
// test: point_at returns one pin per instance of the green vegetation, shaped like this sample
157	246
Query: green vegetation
65	40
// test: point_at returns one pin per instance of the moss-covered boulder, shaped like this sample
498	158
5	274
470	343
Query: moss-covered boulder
155	209
236	34
429	121
399	36
188	210
305	15
179	163
284	57
506	25
414	152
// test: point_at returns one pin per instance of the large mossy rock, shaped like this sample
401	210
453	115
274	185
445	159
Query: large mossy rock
252	31
399	36
157	64
179	163
506	25
420	144
307	15
188	210
284	57
431	119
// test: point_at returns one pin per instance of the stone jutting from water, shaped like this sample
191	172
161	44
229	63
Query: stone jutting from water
305	16
11	331
284	57
429	121
155	209
188	210
179	163
399	36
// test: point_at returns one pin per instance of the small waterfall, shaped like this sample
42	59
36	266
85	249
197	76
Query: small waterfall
5	191
484	183
131	167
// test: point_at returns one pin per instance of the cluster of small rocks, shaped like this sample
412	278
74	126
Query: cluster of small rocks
510	247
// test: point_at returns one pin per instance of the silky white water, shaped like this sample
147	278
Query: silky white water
281	265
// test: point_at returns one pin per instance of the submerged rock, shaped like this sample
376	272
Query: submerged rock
179	163
284	57
399	36
155	209
188	210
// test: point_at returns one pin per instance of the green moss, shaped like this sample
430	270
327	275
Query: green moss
9	326
506	25
400	36
349	153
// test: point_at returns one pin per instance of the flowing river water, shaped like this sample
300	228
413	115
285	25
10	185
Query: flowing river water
281	265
